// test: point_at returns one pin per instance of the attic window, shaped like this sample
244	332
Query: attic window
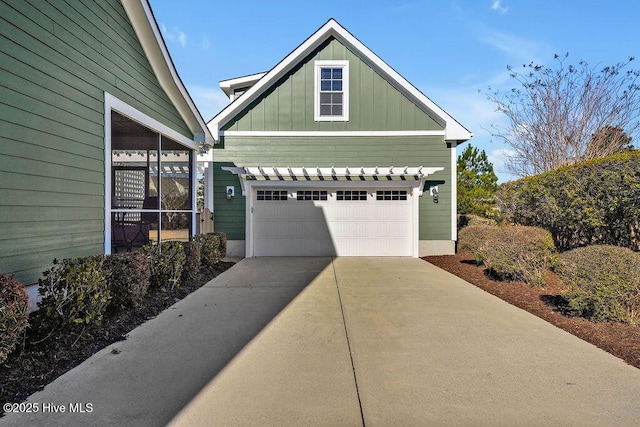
331	94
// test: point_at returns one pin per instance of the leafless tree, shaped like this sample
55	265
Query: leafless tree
562	115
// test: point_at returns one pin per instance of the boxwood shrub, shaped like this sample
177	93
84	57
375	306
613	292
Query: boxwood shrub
474	239
213	248
128	276
511	252
593	202
193	254
74	293
14	302
520	253
604	282
166	262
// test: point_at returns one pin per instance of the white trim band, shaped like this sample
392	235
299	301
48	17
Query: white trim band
312	133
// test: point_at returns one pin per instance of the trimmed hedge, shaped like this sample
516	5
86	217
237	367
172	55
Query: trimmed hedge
14	302
167	262
520	253
594	202
511	252
193	261
213	248
128	276
604	282
474	239
74	292
77	292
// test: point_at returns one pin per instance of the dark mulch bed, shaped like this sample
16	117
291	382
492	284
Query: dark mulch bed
42	357
620	339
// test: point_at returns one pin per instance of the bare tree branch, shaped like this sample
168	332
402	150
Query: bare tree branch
562	115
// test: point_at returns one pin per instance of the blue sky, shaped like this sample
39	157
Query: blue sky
449	49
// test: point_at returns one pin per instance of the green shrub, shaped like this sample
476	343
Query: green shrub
193	253
213	248
74	292
474	238
166	262
128	277
594	202
14	302
604	282
520	253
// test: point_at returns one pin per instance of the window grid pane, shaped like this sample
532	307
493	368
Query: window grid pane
391	195
308	195
279	195
346	195
331	96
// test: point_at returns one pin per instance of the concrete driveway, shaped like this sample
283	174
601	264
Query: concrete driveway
346	341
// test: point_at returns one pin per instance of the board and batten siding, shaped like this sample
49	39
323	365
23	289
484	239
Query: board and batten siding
374	104
435	219
57	59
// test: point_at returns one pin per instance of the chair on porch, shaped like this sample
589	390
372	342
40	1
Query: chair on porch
128	233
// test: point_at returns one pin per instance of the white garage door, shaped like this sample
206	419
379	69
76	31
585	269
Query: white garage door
362	222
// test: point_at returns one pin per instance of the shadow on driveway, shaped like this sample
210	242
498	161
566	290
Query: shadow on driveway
163	364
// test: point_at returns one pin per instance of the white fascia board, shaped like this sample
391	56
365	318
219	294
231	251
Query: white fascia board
314	133
453	130
266	81
228	85
146	28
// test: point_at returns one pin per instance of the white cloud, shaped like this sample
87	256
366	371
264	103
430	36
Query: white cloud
497	6
499	158
205	42
516	47
174	35
182	38
471	108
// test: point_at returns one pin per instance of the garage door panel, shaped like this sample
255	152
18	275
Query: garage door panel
333	227
392	213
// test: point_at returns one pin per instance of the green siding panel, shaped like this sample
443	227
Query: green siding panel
435	219
57	59
375	104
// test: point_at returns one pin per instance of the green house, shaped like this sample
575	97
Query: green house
97	133
332	152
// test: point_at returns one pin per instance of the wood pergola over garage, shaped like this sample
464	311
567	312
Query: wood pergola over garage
302	211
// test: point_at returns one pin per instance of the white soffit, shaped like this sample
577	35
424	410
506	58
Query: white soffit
454	131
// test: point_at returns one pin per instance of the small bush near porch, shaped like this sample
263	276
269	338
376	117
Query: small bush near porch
50	346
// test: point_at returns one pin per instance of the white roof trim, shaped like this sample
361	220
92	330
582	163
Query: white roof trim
228	85
146	28
284	133
453	130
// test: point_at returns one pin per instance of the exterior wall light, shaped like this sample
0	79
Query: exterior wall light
230	192
434	193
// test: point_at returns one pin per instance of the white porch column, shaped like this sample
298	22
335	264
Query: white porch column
208	185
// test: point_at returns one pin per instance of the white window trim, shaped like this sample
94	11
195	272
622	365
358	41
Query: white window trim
345	90
111	103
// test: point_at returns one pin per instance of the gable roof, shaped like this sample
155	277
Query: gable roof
454	131
146	28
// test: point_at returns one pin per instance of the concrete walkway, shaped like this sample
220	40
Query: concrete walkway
351	341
